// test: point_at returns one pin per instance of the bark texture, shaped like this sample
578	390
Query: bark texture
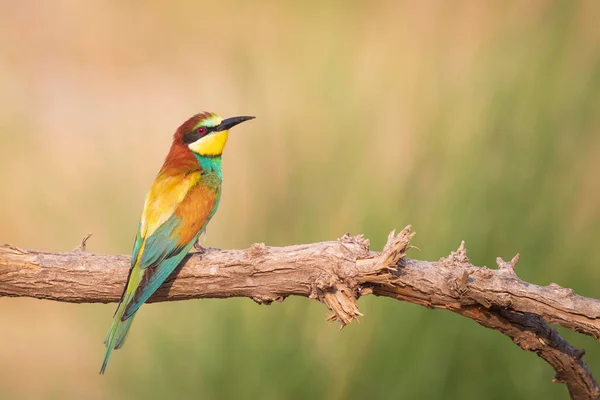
336	273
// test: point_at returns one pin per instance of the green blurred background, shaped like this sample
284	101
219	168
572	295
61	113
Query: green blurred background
474	120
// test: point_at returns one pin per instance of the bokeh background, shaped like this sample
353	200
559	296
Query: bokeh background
474	120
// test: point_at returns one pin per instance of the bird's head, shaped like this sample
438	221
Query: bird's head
206	134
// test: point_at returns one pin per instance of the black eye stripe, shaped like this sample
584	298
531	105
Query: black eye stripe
192	136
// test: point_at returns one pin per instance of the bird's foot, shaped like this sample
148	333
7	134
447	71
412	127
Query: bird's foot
203	250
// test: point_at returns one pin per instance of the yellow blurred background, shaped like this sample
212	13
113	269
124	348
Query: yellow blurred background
474	120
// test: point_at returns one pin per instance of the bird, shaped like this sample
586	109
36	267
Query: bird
181	201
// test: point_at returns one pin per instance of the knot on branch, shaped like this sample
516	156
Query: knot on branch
395	248
379	270
256	250
339	297
457	258
360	241
508	266
339	293
267	299
461	285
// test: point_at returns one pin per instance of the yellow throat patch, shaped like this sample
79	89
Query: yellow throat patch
211	144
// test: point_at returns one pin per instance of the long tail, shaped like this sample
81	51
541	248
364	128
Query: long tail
117	334
115	339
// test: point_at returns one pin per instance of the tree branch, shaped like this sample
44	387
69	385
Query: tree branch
336	274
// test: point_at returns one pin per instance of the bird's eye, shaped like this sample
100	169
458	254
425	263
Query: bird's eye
201	130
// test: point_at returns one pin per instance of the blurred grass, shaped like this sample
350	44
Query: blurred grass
470	120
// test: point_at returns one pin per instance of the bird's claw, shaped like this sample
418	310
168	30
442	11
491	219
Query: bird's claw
203	250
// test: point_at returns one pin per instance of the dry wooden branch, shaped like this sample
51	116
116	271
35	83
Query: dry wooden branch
337	274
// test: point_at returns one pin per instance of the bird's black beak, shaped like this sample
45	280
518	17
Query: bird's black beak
230	122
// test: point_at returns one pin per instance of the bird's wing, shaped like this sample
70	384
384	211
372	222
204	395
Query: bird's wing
177	209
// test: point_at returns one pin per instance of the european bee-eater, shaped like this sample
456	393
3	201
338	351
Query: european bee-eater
181	201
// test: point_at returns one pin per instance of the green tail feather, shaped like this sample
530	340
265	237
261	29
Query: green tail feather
116	335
